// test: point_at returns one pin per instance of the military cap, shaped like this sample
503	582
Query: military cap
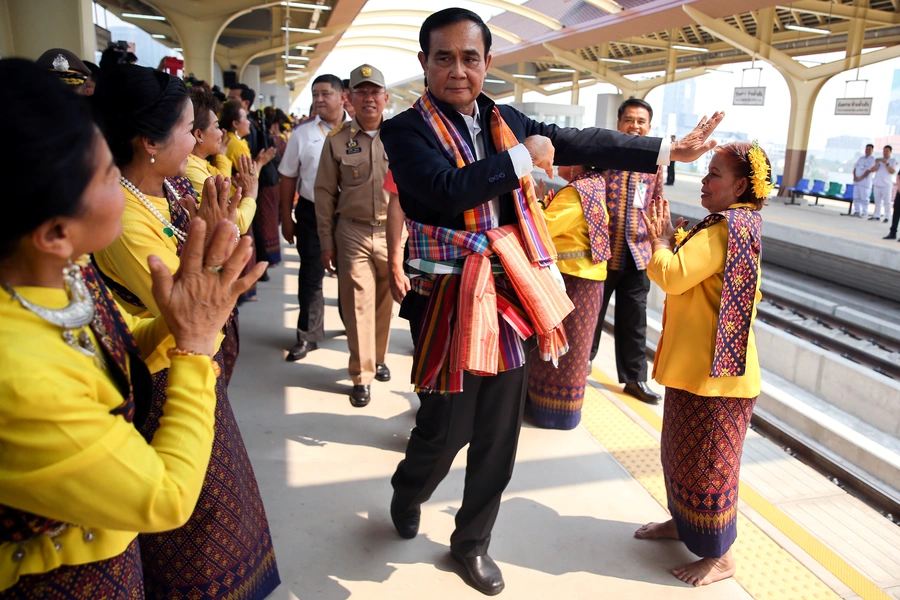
70	69
366	74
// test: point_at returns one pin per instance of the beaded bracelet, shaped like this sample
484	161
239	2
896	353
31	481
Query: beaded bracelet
217	370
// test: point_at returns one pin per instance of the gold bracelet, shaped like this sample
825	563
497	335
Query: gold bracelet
217	370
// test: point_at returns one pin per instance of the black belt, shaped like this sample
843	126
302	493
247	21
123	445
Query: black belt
372	222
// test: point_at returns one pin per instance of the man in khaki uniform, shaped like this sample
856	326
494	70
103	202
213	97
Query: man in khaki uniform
351	211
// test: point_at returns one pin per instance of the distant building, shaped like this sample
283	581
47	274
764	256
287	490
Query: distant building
846	148
893	113
677	116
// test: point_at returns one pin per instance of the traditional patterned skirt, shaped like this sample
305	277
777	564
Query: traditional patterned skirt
267	225
702	443
557	394
116	578
225	549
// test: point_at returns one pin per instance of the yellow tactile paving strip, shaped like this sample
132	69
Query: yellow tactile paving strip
765	569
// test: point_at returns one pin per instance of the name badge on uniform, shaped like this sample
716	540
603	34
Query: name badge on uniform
640	194
353	147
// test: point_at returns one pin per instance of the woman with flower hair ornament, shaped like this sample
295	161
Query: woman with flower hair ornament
707	356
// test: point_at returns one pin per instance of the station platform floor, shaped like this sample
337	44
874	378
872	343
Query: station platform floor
565	527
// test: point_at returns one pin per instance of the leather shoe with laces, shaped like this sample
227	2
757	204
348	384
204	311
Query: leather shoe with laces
484	574
406	522
642	392
382	373
300	350
360	396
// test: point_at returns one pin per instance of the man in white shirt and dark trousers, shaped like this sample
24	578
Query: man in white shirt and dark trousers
886	168
862	182
301	162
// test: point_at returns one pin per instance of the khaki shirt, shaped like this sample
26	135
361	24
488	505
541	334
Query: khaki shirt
350	180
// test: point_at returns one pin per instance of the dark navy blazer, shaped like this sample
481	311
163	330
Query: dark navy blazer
434	191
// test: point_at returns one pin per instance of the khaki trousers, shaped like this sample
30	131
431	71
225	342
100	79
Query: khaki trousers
363	277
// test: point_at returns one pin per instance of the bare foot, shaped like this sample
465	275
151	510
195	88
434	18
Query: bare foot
658	531
706	570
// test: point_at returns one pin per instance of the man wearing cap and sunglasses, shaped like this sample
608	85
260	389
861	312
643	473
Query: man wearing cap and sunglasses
351	211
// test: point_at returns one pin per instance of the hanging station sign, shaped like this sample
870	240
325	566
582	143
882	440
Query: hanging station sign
853	106
749	96
854	102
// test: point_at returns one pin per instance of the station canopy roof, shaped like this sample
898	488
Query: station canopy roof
546	45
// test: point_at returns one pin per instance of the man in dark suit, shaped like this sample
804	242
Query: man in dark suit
670	170
434	190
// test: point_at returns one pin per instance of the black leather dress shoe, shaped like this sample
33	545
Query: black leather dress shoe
406	522
265	276
889	237
642	392
382	373
360	396
300	350
484	574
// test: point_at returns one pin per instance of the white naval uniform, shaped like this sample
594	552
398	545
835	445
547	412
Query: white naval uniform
862	189
884	183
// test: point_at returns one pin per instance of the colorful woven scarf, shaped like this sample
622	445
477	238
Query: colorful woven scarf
739	281
591	189
461	330
538	243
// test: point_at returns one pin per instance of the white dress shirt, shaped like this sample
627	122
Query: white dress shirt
302	153
862	165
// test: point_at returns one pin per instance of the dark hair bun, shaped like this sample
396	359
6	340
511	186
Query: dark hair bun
51	162
132	101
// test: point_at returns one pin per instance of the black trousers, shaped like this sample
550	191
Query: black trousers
631	287
895	218
487	415
311	322
670	174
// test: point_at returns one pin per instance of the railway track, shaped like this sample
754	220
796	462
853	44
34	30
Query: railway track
877	352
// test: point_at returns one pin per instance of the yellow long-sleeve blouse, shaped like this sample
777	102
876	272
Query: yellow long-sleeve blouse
236	148
199	170
65	457
692	281
125	261
569	230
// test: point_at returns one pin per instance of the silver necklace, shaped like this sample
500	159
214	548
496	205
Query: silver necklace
74	317
168	228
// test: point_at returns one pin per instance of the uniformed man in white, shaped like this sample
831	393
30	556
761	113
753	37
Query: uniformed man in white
886	168
862	182
301	162
351	210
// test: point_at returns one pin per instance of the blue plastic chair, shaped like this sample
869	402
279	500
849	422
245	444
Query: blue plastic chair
848	193
802	186
817	188
778	180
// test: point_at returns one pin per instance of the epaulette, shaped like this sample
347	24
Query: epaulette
337	129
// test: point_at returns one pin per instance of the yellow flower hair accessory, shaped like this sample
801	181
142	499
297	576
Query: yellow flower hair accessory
759	172
680	234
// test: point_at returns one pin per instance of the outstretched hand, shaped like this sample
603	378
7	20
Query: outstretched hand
697	142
